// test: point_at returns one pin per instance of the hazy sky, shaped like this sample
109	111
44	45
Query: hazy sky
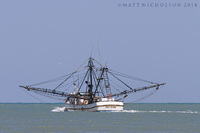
44	39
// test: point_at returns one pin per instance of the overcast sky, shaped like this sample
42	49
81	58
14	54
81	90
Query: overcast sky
44	39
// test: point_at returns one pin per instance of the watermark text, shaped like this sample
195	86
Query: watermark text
156	5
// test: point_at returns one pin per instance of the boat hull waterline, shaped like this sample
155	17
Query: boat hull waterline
97	107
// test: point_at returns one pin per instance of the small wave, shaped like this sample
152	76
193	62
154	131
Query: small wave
162	111
58	109
189	112
63	109
129	111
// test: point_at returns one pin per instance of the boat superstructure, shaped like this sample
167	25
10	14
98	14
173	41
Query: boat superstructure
91	90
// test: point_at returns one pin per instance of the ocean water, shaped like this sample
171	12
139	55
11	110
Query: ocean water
136	118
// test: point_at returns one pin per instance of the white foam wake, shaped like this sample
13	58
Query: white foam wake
162	111
62	109
58	109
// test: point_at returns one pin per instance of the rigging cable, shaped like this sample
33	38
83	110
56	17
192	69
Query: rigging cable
70	75
120	80
131	77
53	80
49	96
117	85
70	83
34	97
114	87
151	93
83	80
98	63
98	84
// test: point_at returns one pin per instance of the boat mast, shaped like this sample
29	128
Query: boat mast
90	65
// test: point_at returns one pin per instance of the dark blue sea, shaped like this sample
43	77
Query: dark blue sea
136	118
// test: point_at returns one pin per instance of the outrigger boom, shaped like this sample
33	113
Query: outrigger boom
63	94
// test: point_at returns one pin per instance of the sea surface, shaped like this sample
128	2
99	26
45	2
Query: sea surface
136	118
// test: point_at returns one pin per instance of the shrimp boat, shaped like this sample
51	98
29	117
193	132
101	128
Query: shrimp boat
91	88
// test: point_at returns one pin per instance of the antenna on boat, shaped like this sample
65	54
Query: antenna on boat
99	52
91	51
96	46
75	87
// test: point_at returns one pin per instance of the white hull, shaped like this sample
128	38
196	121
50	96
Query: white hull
97	106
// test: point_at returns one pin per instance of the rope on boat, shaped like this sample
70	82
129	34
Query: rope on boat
120	80
60	78
34	96
50	96
130	77
53	80
41	101
70	75
151	93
